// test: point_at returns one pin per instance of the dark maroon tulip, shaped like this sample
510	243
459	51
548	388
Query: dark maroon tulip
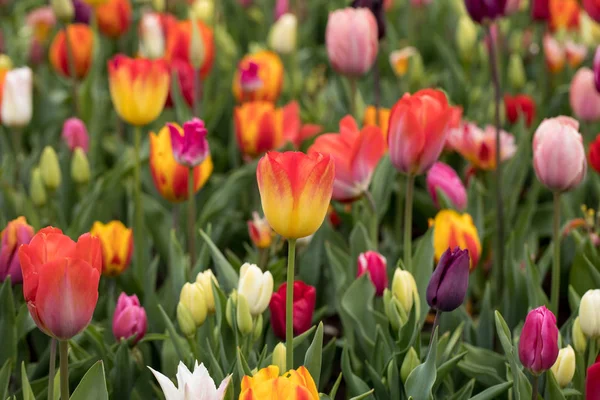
448	284
538	345
540	10
83	12
376	7
480	10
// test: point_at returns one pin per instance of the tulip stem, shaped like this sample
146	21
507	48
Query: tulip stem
72	70
64	369
193	347
534	386
373	220
554	302
353	92
408	208
52	369
436	324
289	306
191	219
593	352
138	234
197	92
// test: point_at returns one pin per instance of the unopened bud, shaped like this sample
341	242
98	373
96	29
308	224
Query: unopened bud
197	50
202	10
5	62
63	10
258	328
411	361
37	191
50	168
243	316
80	167
185	320
578	338
158	5
279	357
516	72
230	308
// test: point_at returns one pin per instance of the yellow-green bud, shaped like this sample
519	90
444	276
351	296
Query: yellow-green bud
516	72
411	361
185	320
258	328
37	191
202	10
230	308
5	62
63	10
206	279
416	69
283	34
579	339
50	168
228	50
192	296
393	310
197	50
80	167
158	5
279	357
564	367
466	38
404	288
243	316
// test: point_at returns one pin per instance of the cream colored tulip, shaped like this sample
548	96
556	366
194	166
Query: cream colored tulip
17	102
206	279
283	34
256	287
589	314
404	288
193	298
564	367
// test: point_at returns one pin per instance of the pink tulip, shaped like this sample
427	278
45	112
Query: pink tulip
75	134
375	265
352	40
583	96
558	154
538	345
281	7
444	178
512	6
16	233
129	319
191	148
576	53
597	69
554	53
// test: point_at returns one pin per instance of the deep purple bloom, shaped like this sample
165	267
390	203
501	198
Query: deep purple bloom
249	79
480	10
191	148
83	12
129	319
376	7
448	284
538	345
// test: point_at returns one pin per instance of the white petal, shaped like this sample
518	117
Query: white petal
167	386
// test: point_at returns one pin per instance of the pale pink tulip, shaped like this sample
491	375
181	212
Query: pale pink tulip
583	96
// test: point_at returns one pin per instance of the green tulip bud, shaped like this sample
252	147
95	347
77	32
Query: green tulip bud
192	296
158	5
243	316
579	339
279	357
63	10
416	69
203	10
185	320
258	328
197	50
50	168
404	289
80	167
516	72
466	38
37	191
411	361
230	307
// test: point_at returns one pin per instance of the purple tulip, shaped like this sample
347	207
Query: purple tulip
16	233
191	148
448	284
75	134
444	178
480	10
83	12
538	345
376	7
129	319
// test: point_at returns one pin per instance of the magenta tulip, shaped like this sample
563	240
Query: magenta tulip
442	177
584	97
129	319
374	264
538	345
191	148
75	134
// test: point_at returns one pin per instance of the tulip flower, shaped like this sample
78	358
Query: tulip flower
41	21
442	177
62	9
404	289
259	127
592	7
81	43
377	8
538	344
594	154
375	265
356	154
597	68
50	169
517	77
206	280
138	88
259	76
16	233
117	246
80	167
193	298
377	117
554	53
170	178
295	191
479	146
481	10
583	96
451	230
114	17
60	281
518	106
399	60
351	38
75	134
592	381
564	14
576	53
192	385
191	148
282	37
96	3
83	12
260	232
564	367
305	297
268	384
448	285
466	38
17	102
256	287
578	337
589	318
540	10
153	32
179	38
129	319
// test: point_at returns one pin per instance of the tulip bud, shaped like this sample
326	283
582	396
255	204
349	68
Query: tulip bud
589	317
75	134
375	265
206	279
63	10
192	296
5	62
279	356
258	328
538	345
516	72
159	5
448	284
16	233
260	231
282	37
50	168
152	38
185	320
597	69
443	178
416	69
256	287
230	308
17	101
482	10
37	191
411	361
466	38
393	310
80	167
404	289
197	50
202	10
243	316
578	338
564	367
129	318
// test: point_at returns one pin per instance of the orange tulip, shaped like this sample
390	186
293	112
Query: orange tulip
81	40
295	191
564	14
370	118
259	77
138	88
114	17
451	230
267	384
4	68
117	246
260	231
258	127
96	3
178	44
171	178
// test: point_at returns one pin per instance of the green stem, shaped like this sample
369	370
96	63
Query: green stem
289	306
263	258
534	386
19	157
64	369
192	342
593	352
436	323
138	234
52	369
353	93
72	70
191	219
197	92
555	294
373	219
399	207
408	207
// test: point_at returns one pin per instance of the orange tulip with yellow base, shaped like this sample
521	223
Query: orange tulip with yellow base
81	40
295	191
114	17
179	38
267	384
259	77
451	230
117	246
171	178
138	88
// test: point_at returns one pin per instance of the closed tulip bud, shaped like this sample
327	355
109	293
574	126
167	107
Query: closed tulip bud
117	246
190	147
443	178
192	296
80	167
394	310
584	97
256	286
258	328
159	5
404	288
282	37
17	102
466	38
411	361
185	320
37	190
448	284
75	134
416	69
578	337
5	63
197	50
243	316
597	69
63	10
564	367
260	232
589	317
203	10
375	265
516	72
129	318
279	356
538	345
230	308
305	297
481	10
206	279
50	168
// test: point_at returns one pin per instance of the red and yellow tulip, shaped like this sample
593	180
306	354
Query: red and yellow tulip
267	384
81	41
258	127
259	77
179	37
370	118
117	246
114	17
171	178
452	230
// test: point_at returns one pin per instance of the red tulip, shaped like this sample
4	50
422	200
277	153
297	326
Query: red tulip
540	10
305	297
519	105
594	154
375	265
592	383
60	281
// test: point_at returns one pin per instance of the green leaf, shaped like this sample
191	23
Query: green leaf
423	267
312	359
5	378
359	241
465	392
26	387
242	364
93	385
336	386
363	396
8	327
553	390
122	372
357	303
448	367
177	264
225	271
485	327
494	392
419	383
354	384
381	189
175	338
24	322
393	376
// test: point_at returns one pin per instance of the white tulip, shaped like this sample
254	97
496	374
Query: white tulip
282	37
589	314
256	287
152	37
17	98
191	386
564	367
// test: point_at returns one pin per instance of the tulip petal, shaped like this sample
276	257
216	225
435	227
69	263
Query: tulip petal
167	386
